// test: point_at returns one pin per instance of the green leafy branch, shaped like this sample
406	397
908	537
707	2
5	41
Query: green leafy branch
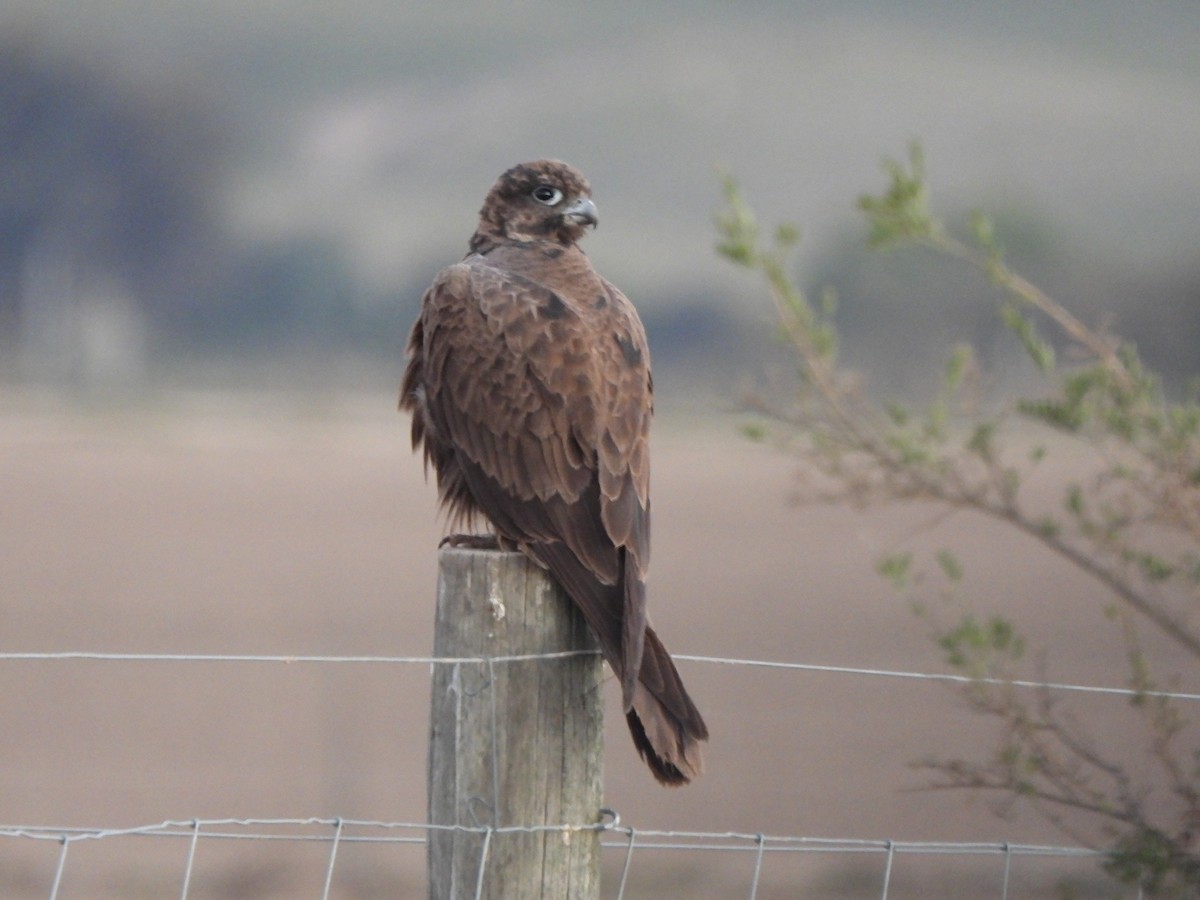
1132	524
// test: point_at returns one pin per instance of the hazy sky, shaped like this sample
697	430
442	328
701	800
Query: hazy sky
382	124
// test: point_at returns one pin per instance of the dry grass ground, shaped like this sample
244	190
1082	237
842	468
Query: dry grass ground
241	529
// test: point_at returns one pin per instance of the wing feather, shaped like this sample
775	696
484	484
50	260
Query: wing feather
529	384
547	421
536	411
528	400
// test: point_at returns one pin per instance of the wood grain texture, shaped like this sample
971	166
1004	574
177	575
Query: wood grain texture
512	743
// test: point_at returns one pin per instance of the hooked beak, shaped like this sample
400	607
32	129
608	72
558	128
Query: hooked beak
582	212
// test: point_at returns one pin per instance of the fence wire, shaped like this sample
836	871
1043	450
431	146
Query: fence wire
615	837
944	677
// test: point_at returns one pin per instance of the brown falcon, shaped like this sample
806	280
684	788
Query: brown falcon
529	387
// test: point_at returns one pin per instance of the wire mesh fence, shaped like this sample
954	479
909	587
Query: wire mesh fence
622	843
626	848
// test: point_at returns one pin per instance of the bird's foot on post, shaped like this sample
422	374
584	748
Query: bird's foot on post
472	542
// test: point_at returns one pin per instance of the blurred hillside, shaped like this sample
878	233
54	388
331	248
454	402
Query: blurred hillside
241	193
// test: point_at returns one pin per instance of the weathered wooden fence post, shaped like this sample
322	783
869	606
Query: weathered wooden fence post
512	743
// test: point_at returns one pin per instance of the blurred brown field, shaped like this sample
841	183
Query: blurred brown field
260	527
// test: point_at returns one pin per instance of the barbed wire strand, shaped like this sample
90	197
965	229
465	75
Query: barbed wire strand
526	657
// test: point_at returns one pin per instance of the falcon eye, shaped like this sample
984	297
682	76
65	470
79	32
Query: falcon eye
543	193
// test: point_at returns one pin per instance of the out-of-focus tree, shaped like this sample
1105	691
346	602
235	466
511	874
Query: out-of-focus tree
105	210
1129	521
896	309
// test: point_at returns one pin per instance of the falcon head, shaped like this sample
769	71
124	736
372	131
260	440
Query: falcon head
540	200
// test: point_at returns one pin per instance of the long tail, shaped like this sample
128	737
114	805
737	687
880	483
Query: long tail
665	724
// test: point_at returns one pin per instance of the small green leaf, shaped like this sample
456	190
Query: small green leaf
951	567
902	213
983	228
1154	567
897	413
754	431
981	440
1075	500
956	366
787	234
896	568
1038	350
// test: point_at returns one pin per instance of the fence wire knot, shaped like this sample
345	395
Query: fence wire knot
610	819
